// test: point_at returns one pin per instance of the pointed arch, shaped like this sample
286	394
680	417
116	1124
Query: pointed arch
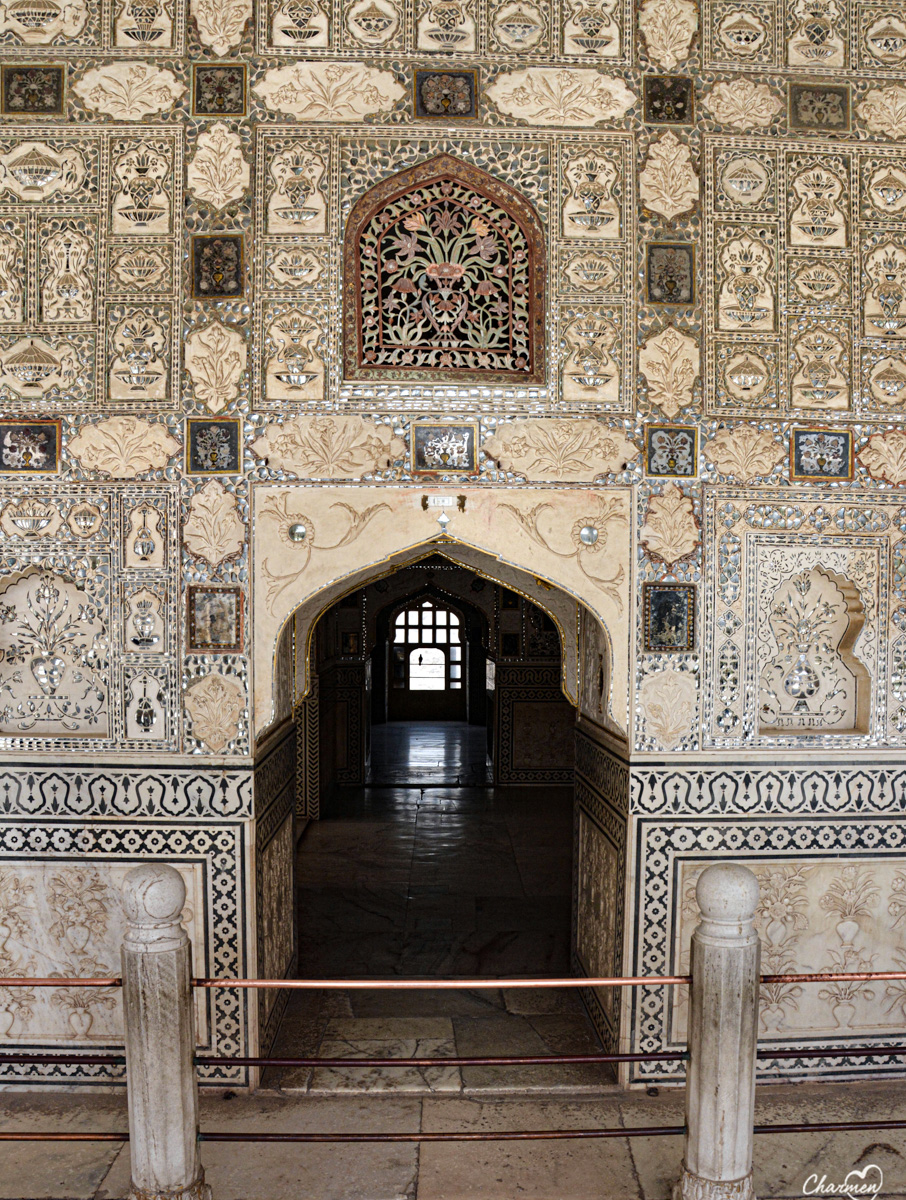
444	279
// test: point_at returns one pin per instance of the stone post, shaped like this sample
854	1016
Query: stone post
160	1039
723	1029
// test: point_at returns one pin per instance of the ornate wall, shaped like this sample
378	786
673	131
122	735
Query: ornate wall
604	297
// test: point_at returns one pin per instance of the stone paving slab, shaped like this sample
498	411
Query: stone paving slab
569	1169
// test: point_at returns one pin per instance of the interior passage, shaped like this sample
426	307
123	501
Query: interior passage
436	880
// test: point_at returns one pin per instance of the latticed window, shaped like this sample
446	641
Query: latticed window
427	649
444	278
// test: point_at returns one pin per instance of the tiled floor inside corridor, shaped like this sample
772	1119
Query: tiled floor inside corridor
436	878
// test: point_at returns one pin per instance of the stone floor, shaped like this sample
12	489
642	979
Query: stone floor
436	880
640	1168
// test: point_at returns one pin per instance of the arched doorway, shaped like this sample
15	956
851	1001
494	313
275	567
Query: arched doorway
312	555
501	665
428	866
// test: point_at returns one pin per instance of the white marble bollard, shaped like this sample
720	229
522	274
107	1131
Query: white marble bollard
723	1031
160	1039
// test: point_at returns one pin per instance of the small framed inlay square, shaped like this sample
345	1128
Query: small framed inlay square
670	273
442	448
213	447
33	90
671	451
445	95
818	455
30	447
219	89
669	100
349	644
819	108
215	618
218	266
668	611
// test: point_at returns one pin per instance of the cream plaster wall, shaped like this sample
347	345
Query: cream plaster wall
352	532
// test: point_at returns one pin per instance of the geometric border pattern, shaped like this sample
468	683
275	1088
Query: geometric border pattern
164	792
816	788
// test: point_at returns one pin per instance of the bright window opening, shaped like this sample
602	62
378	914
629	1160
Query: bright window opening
423	666
427	670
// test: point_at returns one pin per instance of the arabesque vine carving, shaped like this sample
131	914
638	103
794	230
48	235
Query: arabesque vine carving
214	530
124	446
565	451
884	456
589	536
745	452
297	531
330	447
214	704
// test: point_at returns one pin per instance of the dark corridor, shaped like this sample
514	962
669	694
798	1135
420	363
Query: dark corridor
449	854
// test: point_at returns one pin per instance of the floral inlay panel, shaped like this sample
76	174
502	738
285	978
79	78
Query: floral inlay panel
445	278
813	915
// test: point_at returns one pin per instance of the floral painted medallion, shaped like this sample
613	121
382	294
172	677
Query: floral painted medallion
445	278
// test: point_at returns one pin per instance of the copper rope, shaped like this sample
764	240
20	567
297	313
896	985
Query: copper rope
504	1135
464	984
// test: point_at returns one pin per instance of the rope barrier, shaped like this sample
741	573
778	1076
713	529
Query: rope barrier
804	1052
440	984
571	981
503	1135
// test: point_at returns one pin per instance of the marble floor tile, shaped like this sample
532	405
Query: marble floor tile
511	1035
553	1170
432	882
64	1170
611	1169
388	1037
526	1001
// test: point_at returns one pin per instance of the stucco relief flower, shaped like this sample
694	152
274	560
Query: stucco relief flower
588	543
284	519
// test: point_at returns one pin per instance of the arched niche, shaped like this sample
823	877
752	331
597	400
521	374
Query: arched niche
556	547
444	279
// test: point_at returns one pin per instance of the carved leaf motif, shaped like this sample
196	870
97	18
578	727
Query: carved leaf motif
129	91
329	91
668	26
220	22
553	96
568	451
214	704
667	700
884	456
216	357
670	531
668	184
884	110
218	174
743	104
670	363
745	452
124	446
330	447
214	529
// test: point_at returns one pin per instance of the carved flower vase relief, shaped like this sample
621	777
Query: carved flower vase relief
54	646
814	682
